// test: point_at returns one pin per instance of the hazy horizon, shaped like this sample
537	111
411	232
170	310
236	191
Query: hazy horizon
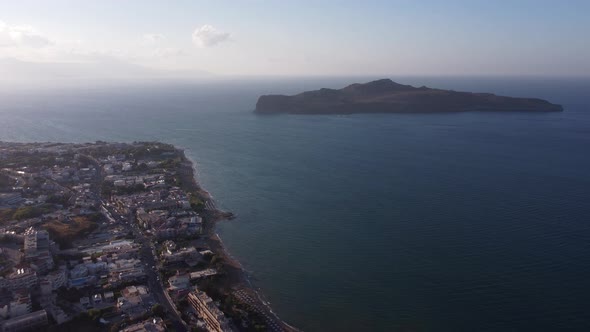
106	40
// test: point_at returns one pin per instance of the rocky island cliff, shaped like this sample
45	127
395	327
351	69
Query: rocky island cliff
386	96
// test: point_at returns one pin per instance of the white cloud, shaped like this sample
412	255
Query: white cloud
21	36
150	50
155	46
153	38
207	36
5	38
167	52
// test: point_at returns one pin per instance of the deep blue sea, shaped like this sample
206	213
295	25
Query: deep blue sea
389	222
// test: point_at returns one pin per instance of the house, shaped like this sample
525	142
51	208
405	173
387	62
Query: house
58	278
202	274
188	255
85	302
134	301
23	277
179	285
109	296
179	281
150	325
97	299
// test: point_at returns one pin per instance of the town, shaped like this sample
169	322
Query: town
115	237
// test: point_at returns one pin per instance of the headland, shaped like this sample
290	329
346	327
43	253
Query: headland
118	237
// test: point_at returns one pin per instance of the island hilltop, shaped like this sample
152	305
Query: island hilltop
386	96
116	237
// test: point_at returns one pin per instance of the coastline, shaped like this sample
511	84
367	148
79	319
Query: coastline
237	279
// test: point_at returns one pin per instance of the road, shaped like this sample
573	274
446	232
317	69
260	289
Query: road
147	257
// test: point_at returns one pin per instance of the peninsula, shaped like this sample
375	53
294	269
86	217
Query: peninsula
387	96
116	237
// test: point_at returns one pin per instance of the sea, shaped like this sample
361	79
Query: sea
386	222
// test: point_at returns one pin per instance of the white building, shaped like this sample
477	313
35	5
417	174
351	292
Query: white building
58	278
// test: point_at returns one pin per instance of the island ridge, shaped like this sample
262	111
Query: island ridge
386	96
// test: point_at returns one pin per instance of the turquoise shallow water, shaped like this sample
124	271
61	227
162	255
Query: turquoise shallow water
446	222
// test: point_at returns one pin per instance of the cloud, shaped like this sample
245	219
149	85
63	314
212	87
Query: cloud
150	50
5	38
207	36
21	35
153	38
153	46
167	52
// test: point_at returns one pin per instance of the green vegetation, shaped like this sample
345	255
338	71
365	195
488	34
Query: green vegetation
109	189
26	212
131	189
6	181
6	214
158	310
170	163
64	233
94	314
216	259
117	326
142	168
95	217
58	199
197	204
36	160
82	322
5	267
71	295
137	150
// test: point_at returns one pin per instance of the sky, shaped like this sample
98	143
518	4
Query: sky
293	38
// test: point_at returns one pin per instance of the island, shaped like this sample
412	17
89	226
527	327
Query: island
108	236
387	96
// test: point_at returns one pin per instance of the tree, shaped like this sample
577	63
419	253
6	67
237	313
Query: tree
158	310
196	204
94	314
58	199
116	327
141	167
6	181
26	212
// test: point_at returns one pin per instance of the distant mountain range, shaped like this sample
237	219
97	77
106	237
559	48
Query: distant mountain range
17	71
386	96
